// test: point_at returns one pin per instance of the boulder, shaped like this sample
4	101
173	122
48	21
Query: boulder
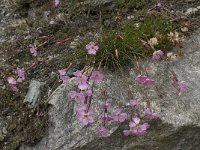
177	129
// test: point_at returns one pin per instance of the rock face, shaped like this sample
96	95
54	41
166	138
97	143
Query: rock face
178	128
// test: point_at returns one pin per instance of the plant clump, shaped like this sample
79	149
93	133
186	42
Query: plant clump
130	39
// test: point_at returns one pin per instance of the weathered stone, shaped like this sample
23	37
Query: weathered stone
34	92
178	128
14	15
191	11
3	130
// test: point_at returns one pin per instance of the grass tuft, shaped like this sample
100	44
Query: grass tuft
117	47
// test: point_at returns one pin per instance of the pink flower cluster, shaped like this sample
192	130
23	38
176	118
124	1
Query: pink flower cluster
116	115
85	113
12	82
139	125
142	79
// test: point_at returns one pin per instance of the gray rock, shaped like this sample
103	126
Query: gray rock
14	15
2	85
177	129
34	92
3	130
191	11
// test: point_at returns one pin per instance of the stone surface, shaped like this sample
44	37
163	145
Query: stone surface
34	92
15	15
191	11
3	129
178	128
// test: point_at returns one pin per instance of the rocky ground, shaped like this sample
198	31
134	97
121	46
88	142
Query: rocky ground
55	30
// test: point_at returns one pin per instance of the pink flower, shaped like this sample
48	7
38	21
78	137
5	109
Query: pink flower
105	117
103	131
134	103
12	84
92	48
88	93
126	132
140	79
78	73
157	55
63	75
20	73
81	80
65	79
135	122
33	50
62	72
79	97
148	82
144	80
56	3
136	128
106	105
11	80
158	5
181	87
13	88
117	115
83	86
96	76
85	115
149	114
